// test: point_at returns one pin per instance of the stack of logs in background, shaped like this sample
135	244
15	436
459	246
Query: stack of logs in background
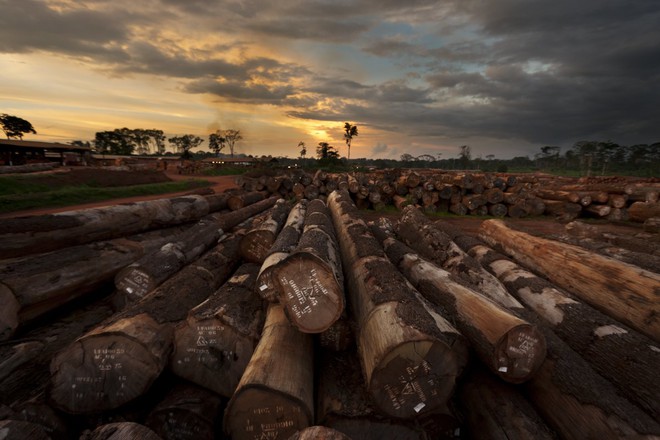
249	315
466	193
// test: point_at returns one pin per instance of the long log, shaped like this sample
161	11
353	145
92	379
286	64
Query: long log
286	242
19	430
619	354
257	242
318	433
187	412
239	201
410	355
627	293
310	278
213	346
419	232
34	285
510	347
42	233
497	411
119	360
275	394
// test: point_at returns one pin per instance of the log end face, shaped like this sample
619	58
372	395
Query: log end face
416	378
519	354
259	413
103	371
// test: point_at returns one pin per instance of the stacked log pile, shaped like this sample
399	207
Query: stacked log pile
285	319
474	193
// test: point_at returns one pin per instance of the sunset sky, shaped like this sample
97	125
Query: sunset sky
505	77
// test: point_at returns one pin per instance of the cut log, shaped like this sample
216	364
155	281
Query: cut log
275	394
38	412
563	211
256	243
625	292
641	211
187	413
318	433
42	233
494	196
652	225
286	242
214	344
497	411
564	196
511	348
623	356
121	431
419	232
401	202
34	285
344	404
498	210
119	360
410	355
597	210
239	201
310	278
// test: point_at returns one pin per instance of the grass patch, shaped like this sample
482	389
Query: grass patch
36	197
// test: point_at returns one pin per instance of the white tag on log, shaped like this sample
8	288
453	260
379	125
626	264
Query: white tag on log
503	369
419	407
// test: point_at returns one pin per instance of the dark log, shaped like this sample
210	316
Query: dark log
652	225
121	431
214	344
20	430
257	242
42	233
563	211
34	285
410	355
275	394
458	209
344	404
419	232
310	278
286	242
640	211
497	411
340	336
473	201
318	433
498	210
618	215
311	192
239	201
187	413
39	413
597	210
494	195
119	360
617	200
623	356
401	202
625	292
510	347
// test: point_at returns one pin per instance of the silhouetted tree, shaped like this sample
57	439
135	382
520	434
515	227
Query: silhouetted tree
217	142
118	141
185	143
231	137
326	151
15	127
465	156
303	149
350	131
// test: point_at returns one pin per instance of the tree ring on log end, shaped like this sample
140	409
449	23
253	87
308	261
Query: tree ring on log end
414	378
110	366
520	353
309	291
255	412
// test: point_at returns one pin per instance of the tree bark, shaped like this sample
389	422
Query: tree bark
625	292
310	278
187	413
619	354
510	347
410	355
214	344
287	240
256	243
318	433
42	233
119	360
18	430
275	394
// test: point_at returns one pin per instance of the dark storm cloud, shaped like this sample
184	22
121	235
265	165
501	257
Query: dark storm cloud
236	91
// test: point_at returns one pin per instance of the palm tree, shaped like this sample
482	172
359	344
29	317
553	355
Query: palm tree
350	131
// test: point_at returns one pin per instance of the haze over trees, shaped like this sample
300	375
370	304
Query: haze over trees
15	127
